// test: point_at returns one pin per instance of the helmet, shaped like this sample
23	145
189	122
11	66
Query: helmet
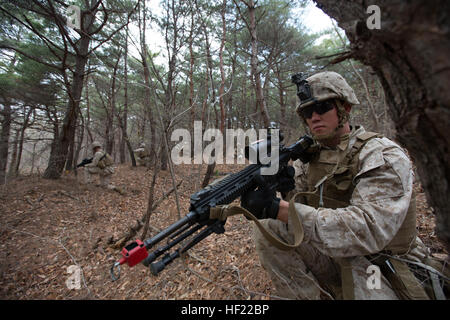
327	85
96	144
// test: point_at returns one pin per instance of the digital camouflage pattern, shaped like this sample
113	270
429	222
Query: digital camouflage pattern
96	144
142	155
379	199
103	168
329	85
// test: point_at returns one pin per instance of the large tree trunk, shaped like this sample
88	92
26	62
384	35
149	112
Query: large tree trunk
60	147
410	54
78	145
70	156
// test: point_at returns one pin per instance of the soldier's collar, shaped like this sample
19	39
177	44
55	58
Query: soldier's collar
345	139
343	144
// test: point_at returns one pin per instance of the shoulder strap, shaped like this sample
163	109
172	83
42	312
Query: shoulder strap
368	135
362	139
225	211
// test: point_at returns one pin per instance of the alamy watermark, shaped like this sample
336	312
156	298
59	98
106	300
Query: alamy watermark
74	280
232	143
73	17
374	280
374	21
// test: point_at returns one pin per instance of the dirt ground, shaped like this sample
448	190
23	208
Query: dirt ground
48	226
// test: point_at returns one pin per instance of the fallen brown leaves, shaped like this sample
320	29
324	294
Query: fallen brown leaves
49	225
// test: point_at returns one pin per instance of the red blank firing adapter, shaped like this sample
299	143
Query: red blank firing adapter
133	253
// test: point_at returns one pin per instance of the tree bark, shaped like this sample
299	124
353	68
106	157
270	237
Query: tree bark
59	150
147	106
13	162
191	75
71	154
410	56
6	130
260	100
79	143
110	114
4	140
222	71
125	103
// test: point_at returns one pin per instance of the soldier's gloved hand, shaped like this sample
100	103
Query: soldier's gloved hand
262	203
286	180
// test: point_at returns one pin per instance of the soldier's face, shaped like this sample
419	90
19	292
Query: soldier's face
323	124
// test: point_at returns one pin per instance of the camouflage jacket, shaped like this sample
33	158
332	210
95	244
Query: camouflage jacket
383	189
95	162
141	153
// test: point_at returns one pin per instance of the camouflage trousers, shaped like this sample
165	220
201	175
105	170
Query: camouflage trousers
306	274
104	175
143	161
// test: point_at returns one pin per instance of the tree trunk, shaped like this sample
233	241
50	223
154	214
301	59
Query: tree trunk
222	71
87	123
127	141
13	162
191	75
110	114
125	103
4	140
147	93
79	143
260	101
21	138
209	172
410	56
59	150
71	154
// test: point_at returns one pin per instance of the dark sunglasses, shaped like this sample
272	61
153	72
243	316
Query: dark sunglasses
319	107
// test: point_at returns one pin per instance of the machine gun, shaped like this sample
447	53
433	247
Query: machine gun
85	162
220	192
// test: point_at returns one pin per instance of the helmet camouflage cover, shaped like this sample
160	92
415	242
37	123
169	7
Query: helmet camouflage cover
96	144
328	85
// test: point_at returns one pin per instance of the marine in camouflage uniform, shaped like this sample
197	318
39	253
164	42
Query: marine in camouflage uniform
142	155
356	203
101	165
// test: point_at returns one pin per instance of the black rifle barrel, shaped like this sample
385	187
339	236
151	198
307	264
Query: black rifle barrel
158	266
155	254
189	218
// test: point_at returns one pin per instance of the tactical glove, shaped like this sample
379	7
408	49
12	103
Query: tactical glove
286	180
262	203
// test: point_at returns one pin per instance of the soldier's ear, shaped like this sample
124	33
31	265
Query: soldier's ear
347	107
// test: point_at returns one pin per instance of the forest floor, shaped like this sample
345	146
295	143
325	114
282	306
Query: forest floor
49	225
